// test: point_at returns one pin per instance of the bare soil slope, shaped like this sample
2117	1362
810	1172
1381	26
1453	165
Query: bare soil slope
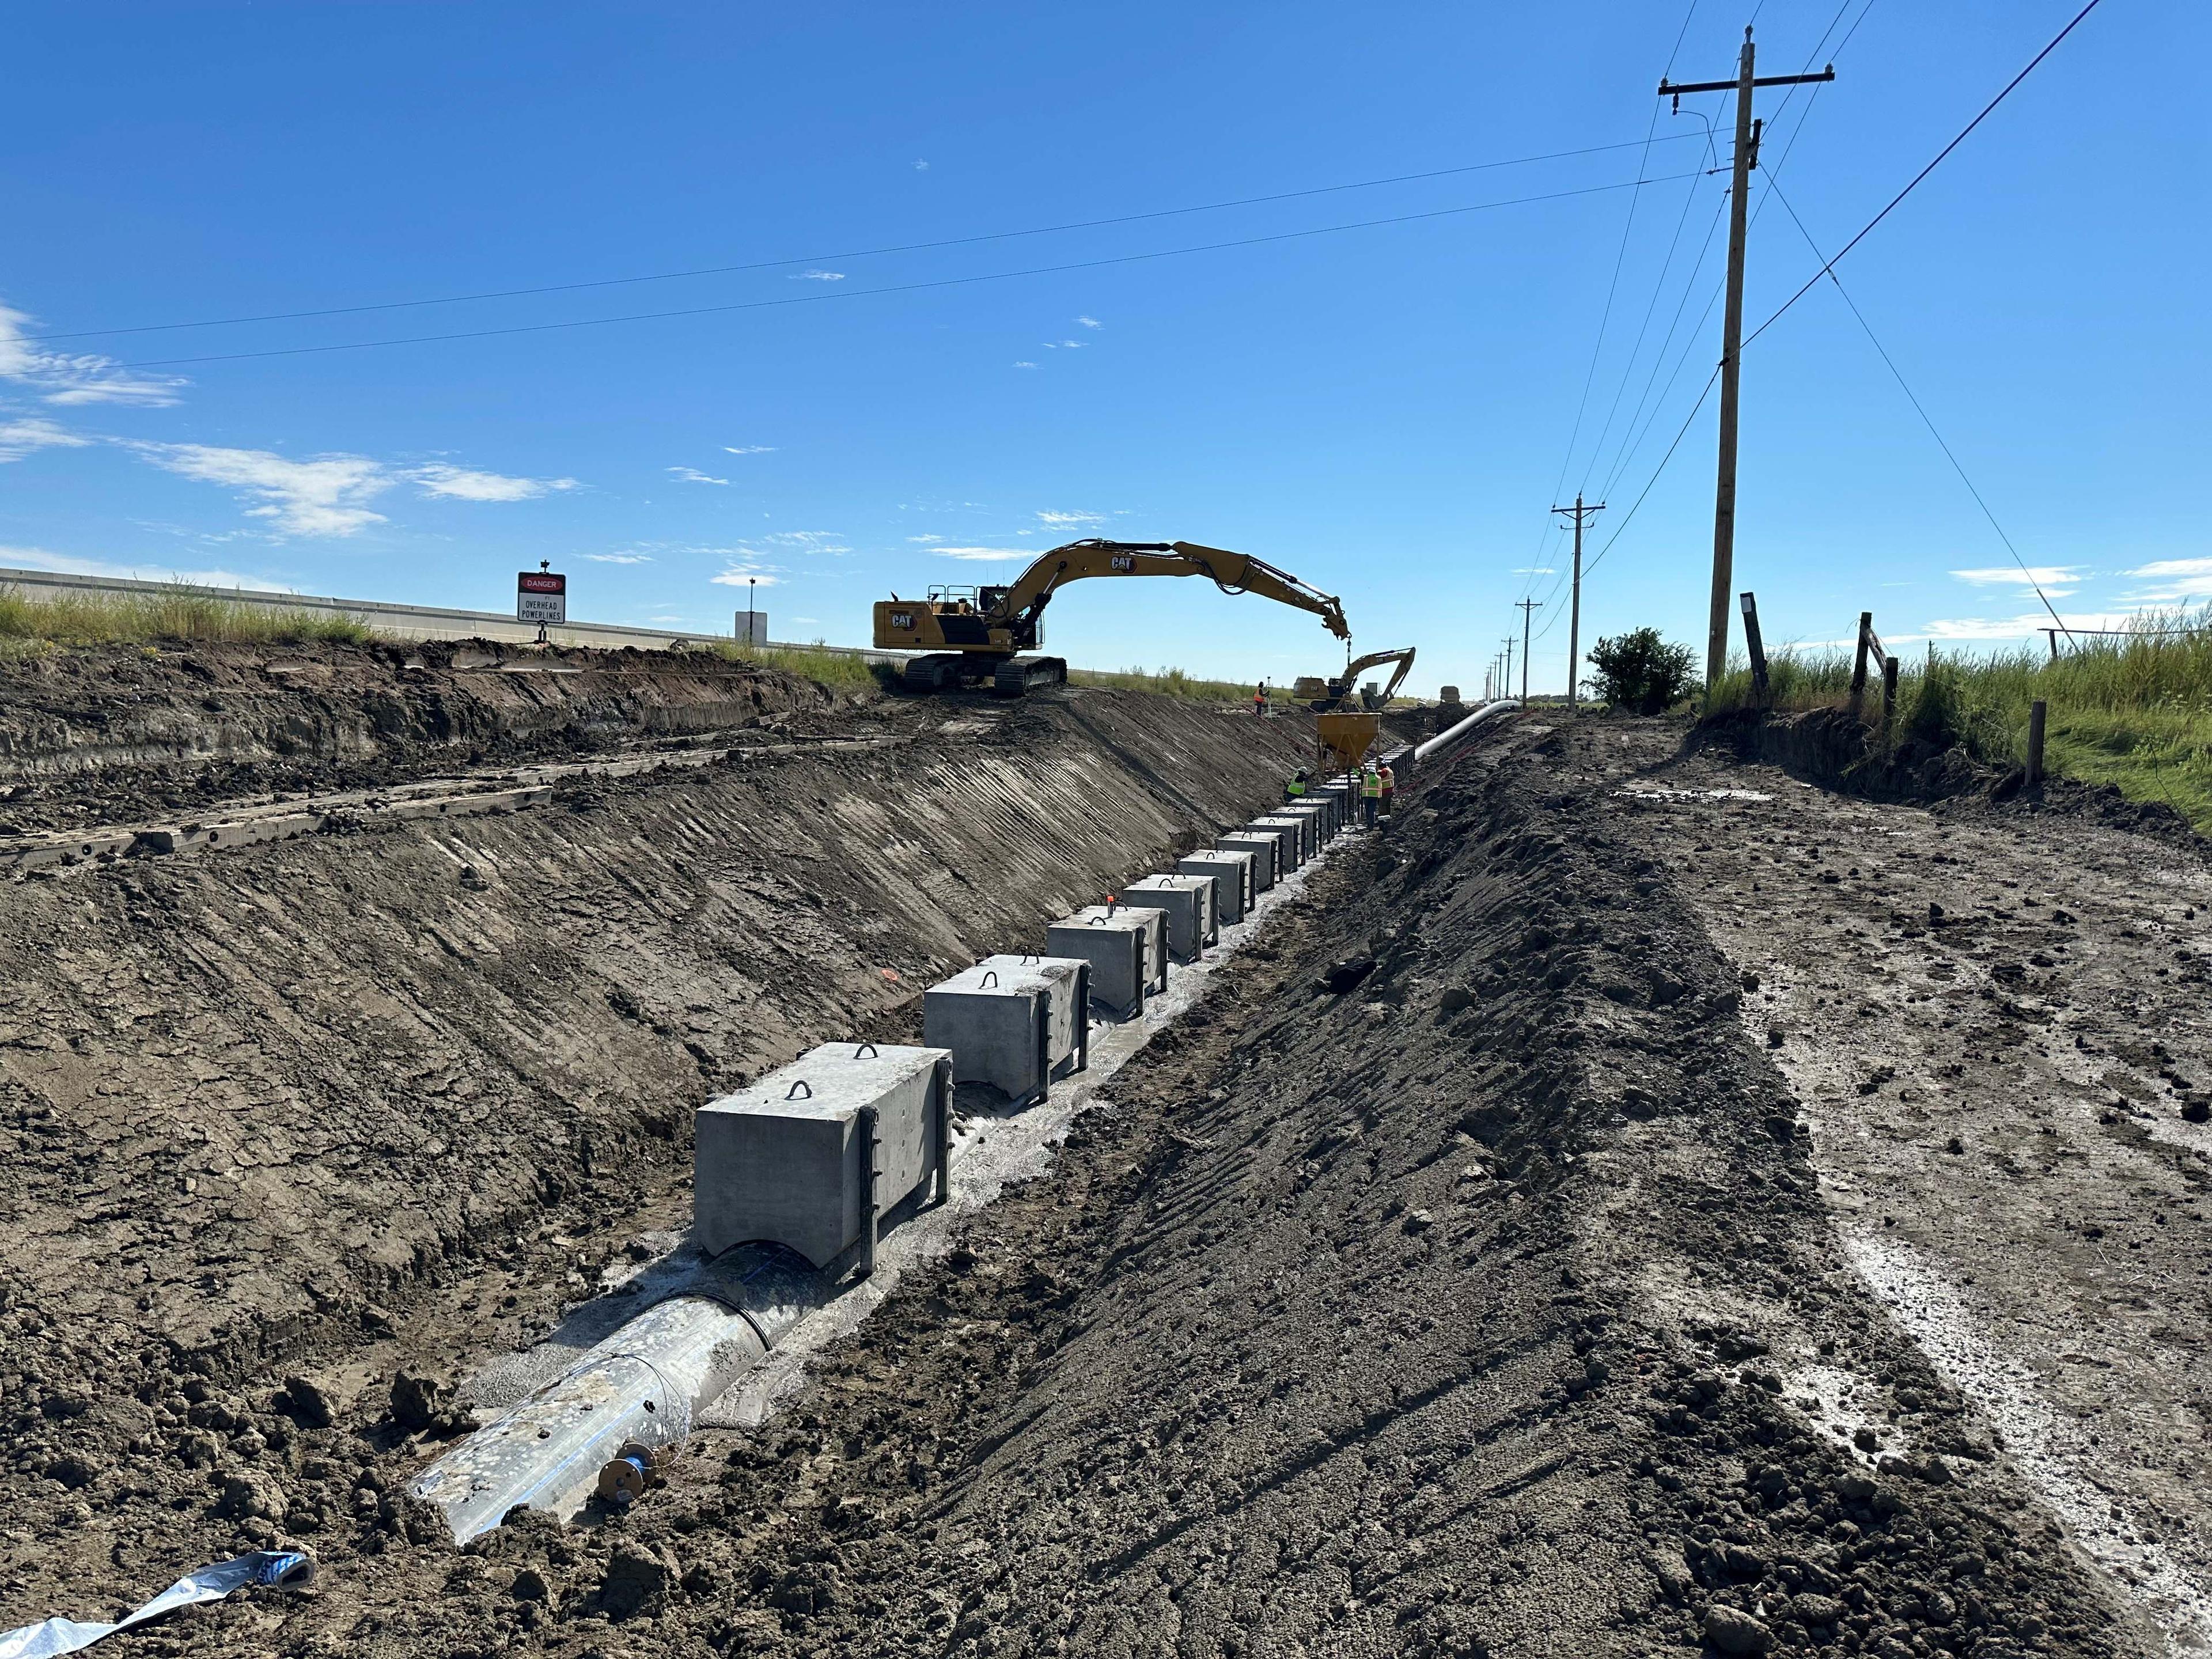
1456	1282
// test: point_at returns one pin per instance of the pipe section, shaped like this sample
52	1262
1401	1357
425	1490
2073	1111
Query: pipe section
1444	739
642	1387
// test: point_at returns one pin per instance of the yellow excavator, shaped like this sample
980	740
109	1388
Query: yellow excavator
1327	696
969	635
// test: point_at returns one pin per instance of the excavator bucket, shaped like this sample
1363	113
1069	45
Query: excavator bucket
1347	737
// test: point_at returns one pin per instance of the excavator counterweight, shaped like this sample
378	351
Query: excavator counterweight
965	635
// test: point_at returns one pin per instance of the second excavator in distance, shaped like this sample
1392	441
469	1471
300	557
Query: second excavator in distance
1325	697
970	634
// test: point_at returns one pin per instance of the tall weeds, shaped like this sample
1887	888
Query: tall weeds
177	612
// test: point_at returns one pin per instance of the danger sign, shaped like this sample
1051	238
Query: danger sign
541	597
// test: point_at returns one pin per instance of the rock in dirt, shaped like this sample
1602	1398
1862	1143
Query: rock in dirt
1730	1630
1346	975
636	1581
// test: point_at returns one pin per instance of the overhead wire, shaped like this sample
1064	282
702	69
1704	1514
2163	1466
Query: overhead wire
895	288
1920	409
856	253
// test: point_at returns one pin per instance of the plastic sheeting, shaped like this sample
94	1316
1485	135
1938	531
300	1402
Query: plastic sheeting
282	1568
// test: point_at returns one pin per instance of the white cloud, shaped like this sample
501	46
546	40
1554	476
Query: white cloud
2011	576
1090	322
983	554
816	276
1024	364
809	541
692	474
2030	626
2173	581
18	438
926	540
324	496
1063	345
462	484
746	575
71	378
37	558
619	558
1533	570
811	621
1071	518
749	449
919	166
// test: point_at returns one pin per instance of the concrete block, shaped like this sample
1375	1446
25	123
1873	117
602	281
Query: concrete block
1292	832
1316	817
243	832
41	852
1232	874
1068	979
1127	949
1266	855
1007	1026
788	1160
1188	903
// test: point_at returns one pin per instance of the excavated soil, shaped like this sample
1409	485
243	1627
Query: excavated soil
1464	1276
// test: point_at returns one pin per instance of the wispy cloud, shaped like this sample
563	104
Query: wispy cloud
816	276
18	438
324	496
749	449
2046	576
619	558
809	541
744	573
461	483
919	166
74	377
66	564
926	540
2011	628
692	474
1090	322
1533	570
1024	363
984	554
1063	345
1071	518
2173	581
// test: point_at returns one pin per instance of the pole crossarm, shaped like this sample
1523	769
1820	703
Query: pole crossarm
1670	89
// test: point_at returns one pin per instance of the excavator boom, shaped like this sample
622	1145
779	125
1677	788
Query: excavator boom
1340	686
982	631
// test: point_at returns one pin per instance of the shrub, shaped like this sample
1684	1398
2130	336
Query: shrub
1640	672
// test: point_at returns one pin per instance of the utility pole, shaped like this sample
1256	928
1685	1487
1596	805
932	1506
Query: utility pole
1746	158
1575	617
1528	608
1508	643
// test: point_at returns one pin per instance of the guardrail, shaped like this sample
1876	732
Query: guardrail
417	622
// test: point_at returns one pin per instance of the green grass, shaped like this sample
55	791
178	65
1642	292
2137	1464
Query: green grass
834	669
1169	682
31	623
2134	711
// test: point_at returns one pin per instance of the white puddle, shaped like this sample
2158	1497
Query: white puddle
1654	792
2048	1449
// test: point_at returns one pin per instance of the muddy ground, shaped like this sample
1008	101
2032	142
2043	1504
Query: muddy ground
1466	1275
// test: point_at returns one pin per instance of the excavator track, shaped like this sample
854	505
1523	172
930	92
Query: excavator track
1020	675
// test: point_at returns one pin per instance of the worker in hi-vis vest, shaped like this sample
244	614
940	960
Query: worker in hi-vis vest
1295	786
1370	795
1388	780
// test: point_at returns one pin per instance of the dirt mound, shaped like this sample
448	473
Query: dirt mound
1483	1307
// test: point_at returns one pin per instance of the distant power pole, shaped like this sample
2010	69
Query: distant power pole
1746	158
1578	512
1528	608
1508	643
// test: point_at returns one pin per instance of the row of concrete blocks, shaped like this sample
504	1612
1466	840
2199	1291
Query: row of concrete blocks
818	1155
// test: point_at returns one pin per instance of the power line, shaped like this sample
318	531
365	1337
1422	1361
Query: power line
1954	143
1917	409
896	288
857	253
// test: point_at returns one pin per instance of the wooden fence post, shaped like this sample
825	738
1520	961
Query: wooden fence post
1888	694
1757	646
2036	717
1859	663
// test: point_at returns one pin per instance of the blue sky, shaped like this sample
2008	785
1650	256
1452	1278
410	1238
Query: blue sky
1385	410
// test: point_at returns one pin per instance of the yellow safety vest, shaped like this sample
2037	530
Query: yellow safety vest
1294	787
1370	785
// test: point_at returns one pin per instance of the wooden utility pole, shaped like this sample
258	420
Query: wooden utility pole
1508	643
1578	513
1746	158
1528	608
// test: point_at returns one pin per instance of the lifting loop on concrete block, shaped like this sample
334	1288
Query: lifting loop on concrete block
990	977
866	1051
792	1093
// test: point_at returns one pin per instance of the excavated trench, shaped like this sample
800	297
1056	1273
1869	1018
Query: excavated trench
1450	1280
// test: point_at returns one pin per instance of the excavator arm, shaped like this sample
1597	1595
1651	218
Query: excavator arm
1023	602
